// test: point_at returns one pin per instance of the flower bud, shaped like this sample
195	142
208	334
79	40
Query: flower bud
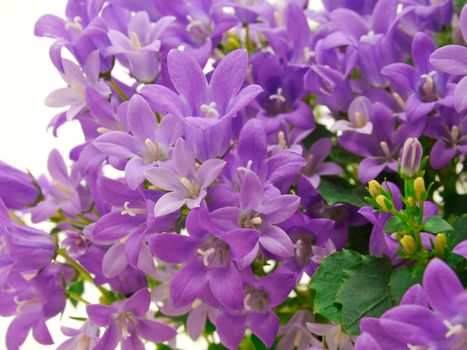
440	243
374	188
411	156
408	244
419	188
384	203
17	189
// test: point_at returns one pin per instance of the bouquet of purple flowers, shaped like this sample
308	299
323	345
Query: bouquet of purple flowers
255	175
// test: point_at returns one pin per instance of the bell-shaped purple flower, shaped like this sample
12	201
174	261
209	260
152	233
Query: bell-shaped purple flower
411	156
17	190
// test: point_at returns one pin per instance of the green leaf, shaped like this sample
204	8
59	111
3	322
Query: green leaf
216	347
458	233
328	279
77	288
334	193
365	292
402	279
394	224
436	224
163	347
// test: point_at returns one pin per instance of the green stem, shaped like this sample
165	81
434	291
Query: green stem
83	272
118	90
78	297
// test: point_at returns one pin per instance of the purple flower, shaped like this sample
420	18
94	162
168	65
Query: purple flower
316	166
141	45
126	323
452	59
74	95
207	258
260	209
450	132
423	87
185	183
147	146
260	296
432	317
17	190
359	117
84	338
380	149
295	334
64	192
333	335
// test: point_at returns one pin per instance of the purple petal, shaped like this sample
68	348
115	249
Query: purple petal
155	331
441	285
57	168
209	171
441	155
245	96
138	303
240	241
196	321
265	327
187	77
251	192
279	208
163	100
114	261
50	26
172	248
460	95
228	77
169	203
187	285
276	241
422	48
461	249
100	314
116	143
366	342
451	59
231	329
226	286
415	295
141	119
369	169
163	178
110	338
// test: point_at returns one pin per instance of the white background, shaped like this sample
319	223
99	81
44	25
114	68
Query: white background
26	78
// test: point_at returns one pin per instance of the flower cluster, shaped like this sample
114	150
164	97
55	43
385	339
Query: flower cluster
227	145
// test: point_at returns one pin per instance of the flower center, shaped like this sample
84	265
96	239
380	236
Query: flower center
359	120
210	110
428	86
456	329
135	42
278	96
75	25
215	254
191	186
302	251
154	151
251	220
385	148
256	300
308	54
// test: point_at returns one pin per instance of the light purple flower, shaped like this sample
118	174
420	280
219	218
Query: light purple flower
185	183
84	338
140	45
17	190
126	323
74	95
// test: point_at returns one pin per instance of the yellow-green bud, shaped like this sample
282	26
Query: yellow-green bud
419	188
408	244
440	243
384	203
374	188
411	201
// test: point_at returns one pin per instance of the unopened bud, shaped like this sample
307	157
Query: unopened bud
374	188
419	188
411	201
411	156
408	244
384	203
440	243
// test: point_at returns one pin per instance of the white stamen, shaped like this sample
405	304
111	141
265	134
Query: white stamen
256	220
193	23
131	211
210	110
190	186
282	141
308	54
454	133
453	329
75	25
247	168
278	96
102	130
429	77
360	120
385	148
246	302
205	254
399	99
135	43
367	37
